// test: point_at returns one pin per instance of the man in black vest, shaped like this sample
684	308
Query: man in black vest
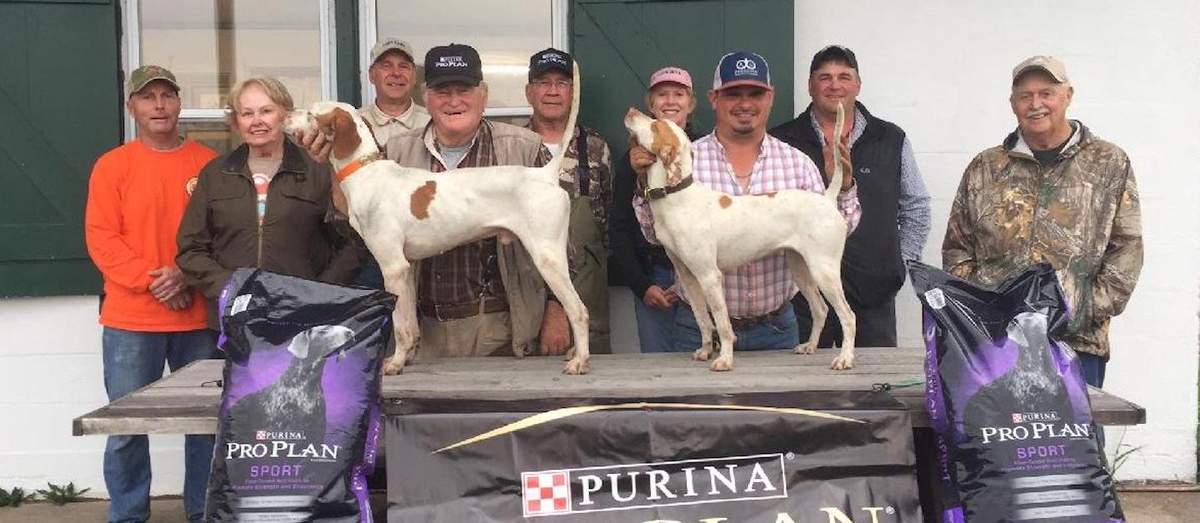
895	204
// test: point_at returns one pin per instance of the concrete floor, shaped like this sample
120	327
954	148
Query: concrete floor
1140	507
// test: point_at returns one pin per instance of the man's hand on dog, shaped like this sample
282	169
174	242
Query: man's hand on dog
556	330
660	298
847	168
316	144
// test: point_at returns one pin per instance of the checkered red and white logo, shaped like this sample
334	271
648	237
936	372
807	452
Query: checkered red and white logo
260	435
545	493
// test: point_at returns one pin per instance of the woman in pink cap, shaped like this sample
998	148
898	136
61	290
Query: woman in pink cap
641	265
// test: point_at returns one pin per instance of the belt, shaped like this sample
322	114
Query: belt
753	321
457	311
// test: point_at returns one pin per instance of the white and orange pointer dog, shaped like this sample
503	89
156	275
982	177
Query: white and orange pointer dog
405	215
705	232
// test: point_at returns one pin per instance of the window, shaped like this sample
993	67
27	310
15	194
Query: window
504	33
211	46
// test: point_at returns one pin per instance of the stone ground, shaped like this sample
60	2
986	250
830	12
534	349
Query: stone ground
1140	507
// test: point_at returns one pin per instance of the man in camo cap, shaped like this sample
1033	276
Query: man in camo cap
151	318
1052	192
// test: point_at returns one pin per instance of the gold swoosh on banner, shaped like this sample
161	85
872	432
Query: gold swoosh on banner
557	414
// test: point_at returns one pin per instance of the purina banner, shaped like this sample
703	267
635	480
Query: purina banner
803	457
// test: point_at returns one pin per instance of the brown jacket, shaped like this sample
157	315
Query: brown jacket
523	284
220	230
1080	214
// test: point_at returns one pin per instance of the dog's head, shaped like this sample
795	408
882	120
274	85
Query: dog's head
339	122
668	143
316	343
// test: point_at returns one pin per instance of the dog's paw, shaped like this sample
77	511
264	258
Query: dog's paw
576	367
702	354
843	362
806	348
394	365
721	364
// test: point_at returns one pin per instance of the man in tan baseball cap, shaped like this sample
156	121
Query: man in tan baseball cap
394	75
1052	192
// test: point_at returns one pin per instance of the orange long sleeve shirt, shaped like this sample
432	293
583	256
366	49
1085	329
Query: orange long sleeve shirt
136	198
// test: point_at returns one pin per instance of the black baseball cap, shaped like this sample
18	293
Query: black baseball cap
453	63
548	60
833	53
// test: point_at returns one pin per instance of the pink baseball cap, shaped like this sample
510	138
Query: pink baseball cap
671	74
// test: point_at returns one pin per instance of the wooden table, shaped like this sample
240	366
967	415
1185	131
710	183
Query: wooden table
186	401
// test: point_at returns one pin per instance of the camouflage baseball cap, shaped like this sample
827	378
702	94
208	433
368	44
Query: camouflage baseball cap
146	74
1050	64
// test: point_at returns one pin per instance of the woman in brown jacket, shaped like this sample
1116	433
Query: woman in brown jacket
265	204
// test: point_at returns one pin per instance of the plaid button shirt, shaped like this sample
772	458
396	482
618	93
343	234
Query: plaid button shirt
763	285
470	271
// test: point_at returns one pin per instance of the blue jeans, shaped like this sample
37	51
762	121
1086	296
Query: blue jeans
1093	368
133	360
656	327
779	333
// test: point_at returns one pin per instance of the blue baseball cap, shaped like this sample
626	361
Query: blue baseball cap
742	68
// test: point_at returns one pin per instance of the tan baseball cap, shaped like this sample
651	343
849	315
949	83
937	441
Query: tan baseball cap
1050	64
146	74
388	44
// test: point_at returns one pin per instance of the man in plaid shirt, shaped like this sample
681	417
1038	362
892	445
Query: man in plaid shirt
740	158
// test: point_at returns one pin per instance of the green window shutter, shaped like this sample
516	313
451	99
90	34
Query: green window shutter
60	103
619	43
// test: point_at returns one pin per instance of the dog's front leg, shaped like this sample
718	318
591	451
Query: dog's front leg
710	283
399	279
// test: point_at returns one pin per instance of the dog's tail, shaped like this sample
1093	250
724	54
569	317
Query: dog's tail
835	181
555	164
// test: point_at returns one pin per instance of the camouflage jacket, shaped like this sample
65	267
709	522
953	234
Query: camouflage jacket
1080	214
599	165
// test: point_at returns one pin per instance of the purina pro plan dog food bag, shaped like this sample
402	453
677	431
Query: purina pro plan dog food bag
1008	404
299	418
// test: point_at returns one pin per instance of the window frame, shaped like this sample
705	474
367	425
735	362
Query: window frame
368	31
131	55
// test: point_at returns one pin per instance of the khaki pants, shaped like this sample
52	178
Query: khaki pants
486	334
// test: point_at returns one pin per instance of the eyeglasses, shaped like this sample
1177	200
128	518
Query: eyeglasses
546	84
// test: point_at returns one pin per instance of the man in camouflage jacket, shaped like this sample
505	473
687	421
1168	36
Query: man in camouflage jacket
1052	192
589	184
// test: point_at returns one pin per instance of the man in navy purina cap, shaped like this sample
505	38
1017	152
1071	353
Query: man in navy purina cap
586	175
740	158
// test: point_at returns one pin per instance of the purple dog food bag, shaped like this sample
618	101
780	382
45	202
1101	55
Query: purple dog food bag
299	419
1008	403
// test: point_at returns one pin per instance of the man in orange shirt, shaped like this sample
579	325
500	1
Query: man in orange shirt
136	198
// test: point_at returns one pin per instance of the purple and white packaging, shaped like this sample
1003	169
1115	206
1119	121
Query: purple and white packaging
299	419
1008	404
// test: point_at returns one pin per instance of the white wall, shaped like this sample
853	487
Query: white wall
50	356
941	70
